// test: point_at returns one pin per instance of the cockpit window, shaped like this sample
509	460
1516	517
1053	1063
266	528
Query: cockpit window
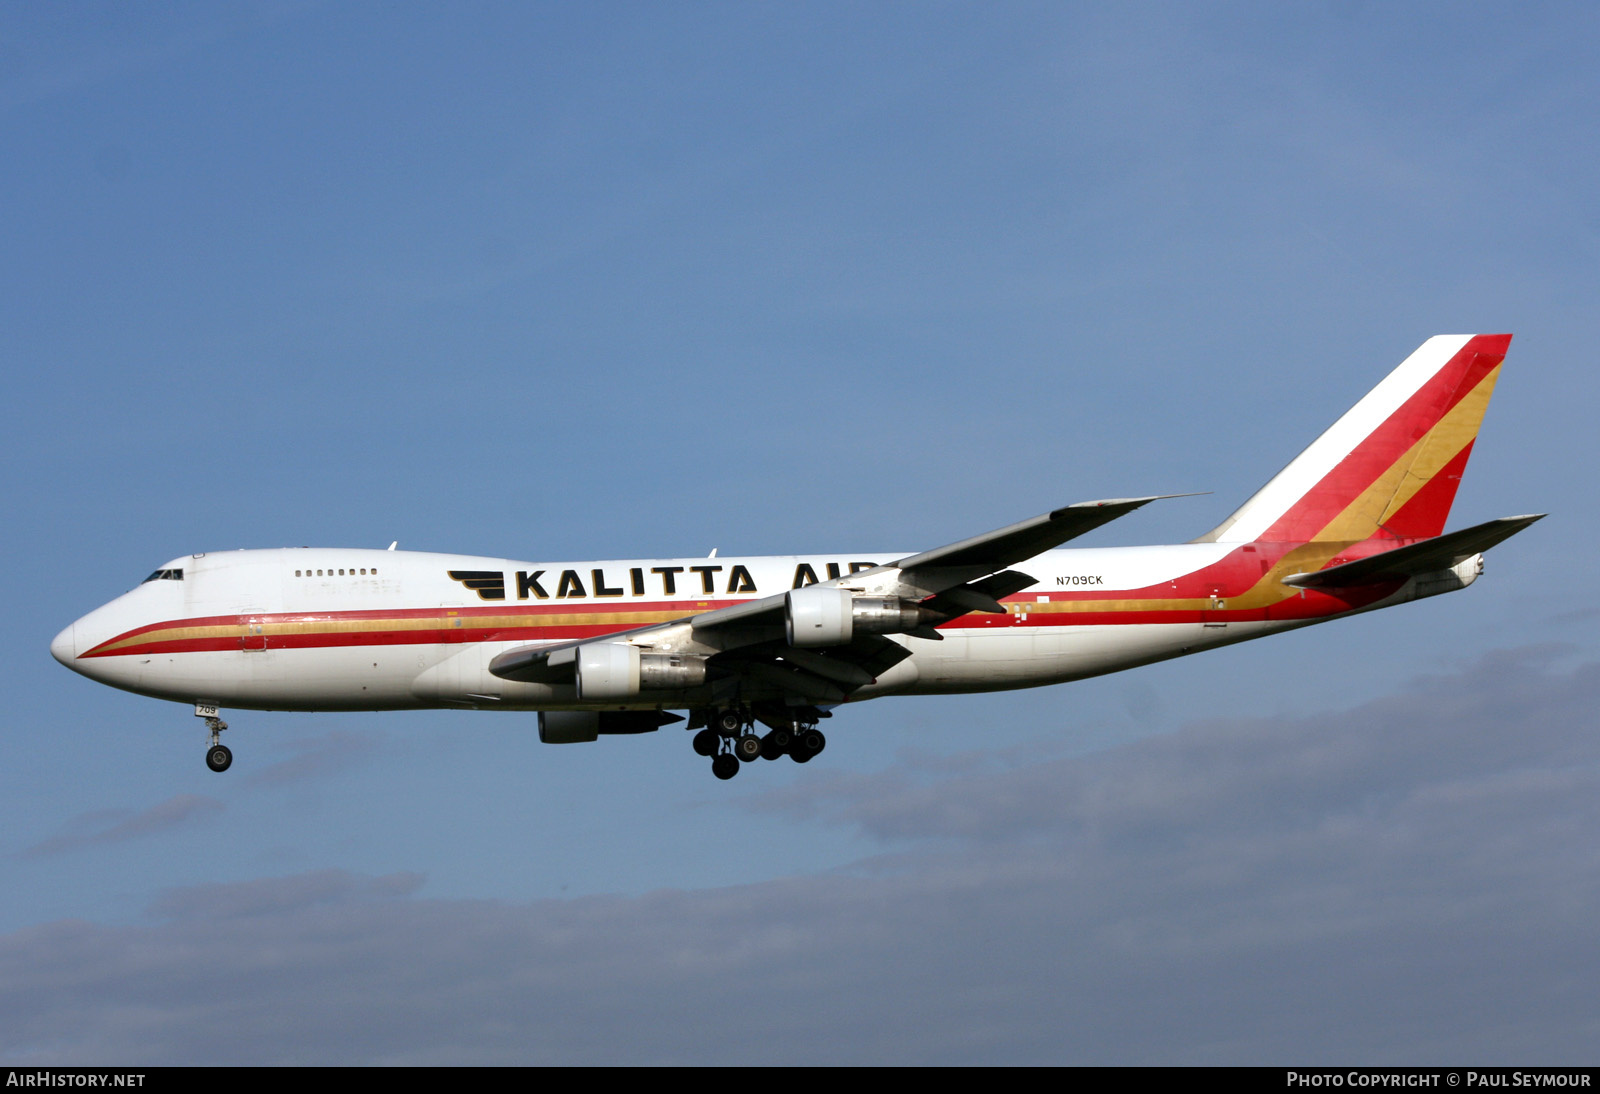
164	575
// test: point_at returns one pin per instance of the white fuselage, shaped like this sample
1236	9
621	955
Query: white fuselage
314	629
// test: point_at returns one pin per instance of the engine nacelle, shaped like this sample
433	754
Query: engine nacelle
617	670
669	670
566	727
817	615
823	615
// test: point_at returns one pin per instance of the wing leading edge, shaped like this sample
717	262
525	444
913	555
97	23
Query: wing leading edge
1016	542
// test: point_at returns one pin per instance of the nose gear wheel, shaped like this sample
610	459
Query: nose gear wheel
218	756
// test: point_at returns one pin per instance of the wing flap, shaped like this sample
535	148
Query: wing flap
820	676
980	596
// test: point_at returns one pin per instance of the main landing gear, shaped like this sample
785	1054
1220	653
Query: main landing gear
730	739
218	756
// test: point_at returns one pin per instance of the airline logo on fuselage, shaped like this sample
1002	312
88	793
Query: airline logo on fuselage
705	580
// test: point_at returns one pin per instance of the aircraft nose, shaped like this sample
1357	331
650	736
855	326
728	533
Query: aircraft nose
65	646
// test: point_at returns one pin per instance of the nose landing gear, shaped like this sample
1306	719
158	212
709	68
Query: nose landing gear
218	756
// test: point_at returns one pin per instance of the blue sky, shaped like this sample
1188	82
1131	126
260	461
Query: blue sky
642	280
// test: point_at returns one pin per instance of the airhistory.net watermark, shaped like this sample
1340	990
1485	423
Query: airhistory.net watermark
46	1077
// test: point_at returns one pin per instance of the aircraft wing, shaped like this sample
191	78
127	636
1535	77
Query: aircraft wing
998	549
749	639
947	568
1426	556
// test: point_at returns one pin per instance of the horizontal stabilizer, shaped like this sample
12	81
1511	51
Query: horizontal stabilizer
1427	556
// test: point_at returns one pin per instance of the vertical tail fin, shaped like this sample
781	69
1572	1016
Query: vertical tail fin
1391	465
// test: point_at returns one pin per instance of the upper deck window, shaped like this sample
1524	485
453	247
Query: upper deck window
164	575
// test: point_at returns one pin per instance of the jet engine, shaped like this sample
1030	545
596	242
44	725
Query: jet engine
822	615
617	670
566	727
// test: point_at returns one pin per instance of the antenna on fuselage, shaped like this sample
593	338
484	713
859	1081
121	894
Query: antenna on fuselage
393	545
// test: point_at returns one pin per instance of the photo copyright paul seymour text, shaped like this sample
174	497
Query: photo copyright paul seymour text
1470	1079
